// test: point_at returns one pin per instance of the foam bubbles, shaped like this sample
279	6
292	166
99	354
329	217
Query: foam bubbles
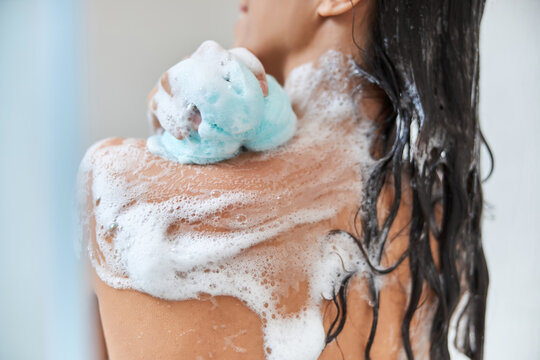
255	227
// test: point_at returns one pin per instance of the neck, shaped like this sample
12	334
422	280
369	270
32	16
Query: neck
328	81
334	57
331	85
331	33
329	37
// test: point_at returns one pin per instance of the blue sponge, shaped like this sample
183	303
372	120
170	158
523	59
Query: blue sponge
230	102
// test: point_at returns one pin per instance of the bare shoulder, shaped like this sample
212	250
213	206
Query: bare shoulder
129	162
126	165
120	175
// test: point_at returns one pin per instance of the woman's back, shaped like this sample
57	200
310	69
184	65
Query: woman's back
236	260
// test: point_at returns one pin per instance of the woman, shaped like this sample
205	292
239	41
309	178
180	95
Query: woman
360	238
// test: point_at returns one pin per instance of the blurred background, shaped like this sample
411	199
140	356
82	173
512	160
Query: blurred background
74	72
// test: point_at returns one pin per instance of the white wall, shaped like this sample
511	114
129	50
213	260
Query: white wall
130	43
510	113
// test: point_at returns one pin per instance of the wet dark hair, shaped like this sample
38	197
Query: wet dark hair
424	57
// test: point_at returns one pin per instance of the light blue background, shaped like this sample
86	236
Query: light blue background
41	304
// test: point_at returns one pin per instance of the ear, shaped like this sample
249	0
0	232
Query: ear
329	8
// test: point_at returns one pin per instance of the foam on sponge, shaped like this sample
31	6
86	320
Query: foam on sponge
212	104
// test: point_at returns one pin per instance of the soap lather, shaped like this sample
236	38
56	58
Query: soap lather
213	103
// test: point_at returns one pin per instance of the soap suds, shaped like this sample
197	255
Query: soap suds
178	231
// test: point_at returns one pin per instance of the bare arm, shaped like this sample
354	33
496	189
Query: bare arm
100	351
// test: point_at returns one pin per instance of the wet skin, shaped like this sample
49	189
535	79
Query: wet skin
135	325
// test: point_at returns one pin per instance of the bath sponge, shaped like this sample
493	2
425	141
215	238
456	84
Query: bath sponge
212	104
